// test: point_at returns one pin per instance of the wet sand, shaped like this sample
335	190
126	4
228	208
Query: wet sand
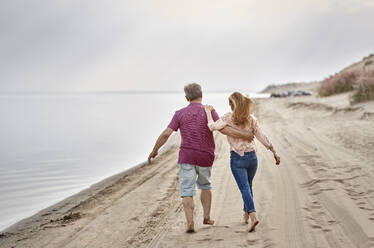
322	194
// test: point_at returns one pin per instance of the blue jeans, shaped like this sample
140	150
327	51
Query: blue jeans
244	169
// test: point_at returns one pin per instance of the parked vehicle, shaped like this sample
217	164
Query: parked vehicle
292	93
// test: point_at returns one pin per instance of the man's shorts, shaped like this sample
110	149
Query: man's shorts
187	178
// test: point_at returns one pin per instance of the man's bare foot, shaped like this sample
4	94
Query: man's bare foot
190	228
246	217
208	221
253	226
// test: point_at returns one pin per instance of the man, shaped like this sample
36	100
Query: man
196	154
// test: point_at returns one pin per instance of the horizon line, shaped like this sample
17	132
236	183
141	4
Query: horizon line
111	92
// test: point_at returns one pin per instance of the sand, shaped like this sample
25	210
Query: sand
322	194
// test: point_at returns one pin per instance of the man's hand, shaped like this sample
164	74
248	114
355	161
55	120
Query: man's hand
152	155
160	141
250	136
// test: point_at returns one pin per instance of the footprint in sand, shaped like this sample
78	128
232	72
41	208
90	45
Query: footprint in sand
310	218
268	243
316	226
365	208
331	222
135	218
206	239
252	241
352	169
306	209
316	206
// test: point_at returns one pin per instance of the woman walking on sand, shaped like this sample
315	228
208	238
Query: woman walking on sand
243	159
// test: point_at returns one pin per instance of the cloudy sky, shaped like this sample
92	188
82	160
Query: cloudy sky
91	45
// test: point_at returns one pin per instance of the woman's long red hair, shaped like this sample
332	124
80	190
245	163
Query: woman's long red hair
242	107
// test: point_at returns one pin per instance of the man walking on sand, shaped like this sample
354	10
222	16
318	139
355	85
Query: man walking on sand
196	154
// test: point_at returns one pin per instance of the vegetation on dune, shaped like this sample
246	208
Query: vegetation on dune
361	82
338	83
364	88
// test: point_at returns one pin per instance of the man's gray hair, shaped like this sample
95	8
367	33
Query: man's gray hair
193	91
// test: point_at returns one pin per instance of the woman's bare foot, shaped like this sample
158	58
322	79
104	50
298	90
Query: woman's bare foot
253	226
190	227
208	221
246	217
254	221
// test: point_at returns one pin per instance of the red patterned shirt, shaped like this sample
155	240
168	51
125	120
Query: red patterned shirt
197	146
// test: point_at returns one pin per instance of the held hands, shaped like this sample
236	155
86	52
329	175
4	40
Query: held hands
152	155
208	108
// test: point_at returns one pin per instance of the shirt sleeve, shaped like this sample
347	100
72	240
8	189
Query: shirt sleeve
215	115
174	123
260	135
219	123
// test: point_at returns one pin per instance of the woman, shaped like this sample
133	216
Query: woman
243	159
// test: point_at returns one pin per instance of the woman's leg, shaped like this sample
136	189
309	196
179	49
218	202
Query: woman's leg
251	172
239	171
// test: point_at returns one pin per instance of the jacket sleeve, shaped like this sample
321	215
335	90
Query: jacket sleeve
218	124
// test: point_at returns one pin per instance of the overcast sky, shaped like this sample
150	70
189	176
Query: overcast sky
71	45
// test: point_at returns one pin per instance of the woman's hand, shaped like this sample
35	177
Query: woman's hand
277	159
208	111
208	108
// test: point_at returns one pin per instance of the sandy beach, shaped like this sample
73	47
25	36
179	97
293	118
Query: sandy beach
322	194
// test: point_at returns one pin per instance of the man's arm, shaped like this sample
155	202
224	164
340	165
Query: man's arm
236	133
228	130
164	136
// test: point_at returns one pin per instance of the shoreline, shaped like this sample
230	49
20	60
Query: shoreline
65	207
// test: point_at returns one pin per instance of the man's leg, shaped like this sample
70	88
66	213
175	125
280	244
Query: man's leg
203	183
188	206
206	201
187	178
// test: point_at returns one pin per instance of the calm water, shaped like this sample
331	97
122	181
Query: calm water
55	145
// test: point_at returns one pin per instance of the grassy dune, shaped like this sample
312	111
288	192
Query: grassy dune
358	78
